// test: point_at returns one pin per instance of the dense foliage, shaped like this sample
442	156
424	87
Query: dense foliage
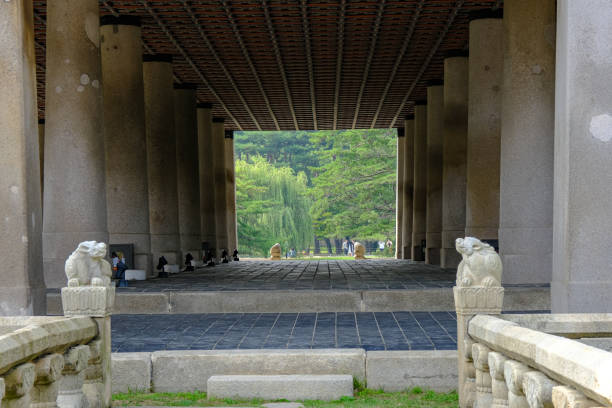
293	185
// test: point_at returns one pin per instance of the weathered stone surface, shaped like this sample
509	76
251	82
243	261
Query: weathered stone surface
407	200
359	251
290	387
275	252
538	389
207	181
400	370
480	265
220	190
177	371
230	190
419	198
131	372
567	397
435	136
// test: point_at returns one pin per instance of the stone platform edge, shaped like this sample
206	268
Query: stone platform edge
189	370
305	301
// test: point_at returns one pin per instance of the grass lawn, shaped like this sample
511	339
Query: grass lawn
363	398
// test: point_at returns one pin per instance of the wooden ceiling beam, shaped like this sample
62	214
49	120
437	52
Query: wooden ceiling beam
311	81
340	53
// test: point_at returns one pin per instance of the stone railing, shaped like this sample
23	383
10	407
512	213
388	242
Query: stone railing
529	360
48	362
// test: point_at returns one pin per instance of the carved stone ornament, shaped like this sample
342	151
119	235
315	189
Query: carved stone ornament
275	252
359	251
480	266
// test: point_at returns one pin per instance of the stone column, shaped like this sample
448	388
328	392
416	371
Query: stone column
161	157
22	287
75	192
399	195
127	197
454	156
232	224
583	158
221	209
207	180
408	186
41	155
435	127
485	78
187	168
527	141
419	198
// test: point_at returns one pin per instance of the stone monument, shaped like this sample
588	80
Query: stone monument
478	291
359	251
275	252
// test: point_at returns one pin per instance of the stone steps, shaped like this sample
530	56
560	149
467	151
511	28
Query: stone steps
274	387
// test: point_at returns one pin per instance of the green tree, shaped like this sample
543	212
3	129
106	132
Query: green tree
272	206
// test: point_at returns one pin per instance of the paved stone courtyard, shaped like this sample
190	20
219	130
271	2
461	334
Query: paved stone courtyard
371	331
304	275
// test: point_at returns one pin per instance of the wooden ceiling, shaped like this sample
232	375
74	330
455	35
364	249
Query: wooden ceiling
298	64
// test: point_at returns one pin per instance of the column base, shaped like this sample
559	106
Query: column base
23	301
432	256
526	254
449	258
406	252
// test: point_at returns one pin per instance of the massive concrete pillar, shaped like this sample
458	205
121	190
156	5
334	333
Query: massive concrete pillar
22	288
161	157
221	209
187	168
484	127
230	178
127	198
75	189
408	187
527	141
399	195
435	127
207	180
454	157
41	154
583	158
419	198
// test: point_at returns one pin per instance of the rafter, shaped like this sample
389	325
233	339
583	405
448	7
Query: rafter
306	28
187	58
339	61
247	57
212	50
398	60
279	61
432	52
366	70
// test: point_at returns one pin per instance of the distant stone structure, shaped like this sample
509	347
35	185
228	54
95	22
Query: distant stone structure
359	251
275	252
481	266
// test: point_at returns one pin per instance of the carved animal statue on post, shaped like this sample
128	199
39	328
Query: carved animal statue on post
359	251
86	266
480	264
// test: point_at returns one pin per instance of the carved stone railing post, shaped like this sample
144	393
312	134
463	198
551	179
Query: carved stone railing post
48	375
513	373
566	397
498	383
18	384
1	391
94	383
93	297
478	291
538	389
469	384
71	387
484	396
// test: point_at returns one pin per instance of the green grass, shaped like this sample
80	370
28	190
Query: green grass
363	398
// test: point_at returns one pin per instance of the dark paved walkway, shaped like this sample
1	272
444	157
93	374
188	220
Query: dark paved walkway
371	331
304	275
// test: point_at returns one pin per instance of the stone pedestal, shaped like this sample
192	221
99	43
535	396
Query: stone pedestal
583	158
454	157
187	168
161	157
419	198
230	178
435	127
399	195
408	140
22	288
221	209
485	80
75	192
207	179
527	141
127	198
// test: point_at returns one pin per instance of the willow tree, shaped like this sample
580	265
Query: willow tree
272	206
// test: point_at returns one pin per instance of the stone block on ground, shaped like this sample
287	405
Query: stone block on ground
131	372
290	387
135	274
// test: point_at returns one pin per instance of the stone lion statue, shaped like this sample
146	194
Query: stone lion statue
359	251
480	264
275	252
87	266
